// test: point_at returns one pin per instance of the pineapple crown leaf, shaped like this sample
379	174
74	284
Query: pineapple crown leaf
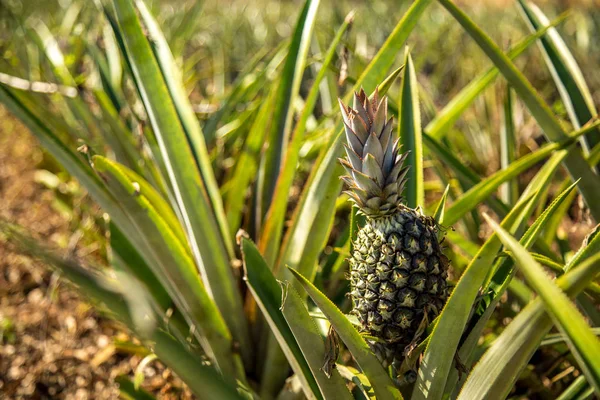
374	162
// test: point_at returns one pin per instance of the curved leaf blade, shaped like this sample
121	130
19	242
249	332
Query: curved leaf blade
447	117
483	189
497	371
441	207
172	264
187	117
509	191
201	379
191	199
582	341
466	176
443	343
268	295
566	73
247	164
272	230
311	343
502	277
287	92
384	387
589	186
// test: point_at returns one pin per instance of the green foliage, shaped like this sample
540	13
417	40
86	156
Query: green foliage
190	130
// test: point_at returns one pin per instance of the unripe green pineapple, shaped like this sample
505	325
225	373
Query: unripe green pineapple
397	270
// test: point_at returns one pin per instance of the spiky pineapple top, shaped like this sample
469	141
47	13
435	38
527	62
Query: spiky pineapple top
374	162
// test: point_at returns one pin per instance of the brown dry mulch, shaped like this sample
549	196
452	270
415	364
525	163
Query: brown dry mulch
53	345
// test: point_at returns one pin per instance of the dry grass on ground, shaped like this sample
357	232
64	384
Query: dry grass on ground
53	345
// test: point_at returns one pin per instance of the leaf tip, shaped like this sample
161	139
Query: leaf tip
240	235
350	17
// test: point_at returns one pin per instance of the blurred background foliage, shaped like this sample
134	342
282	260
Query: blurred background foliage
218	40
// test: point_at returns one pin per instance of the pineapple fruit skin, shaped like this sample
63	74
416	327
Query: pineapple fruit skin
398	277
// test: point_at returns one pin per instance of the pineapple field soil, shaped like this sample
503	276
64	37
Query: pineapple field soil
53	345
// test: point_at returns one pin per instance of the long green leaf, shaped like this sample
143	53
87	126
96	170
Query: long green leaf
483	189
190	196
271	233
447	117
70	160
575	388
126	258
172	264
246	86
410	134
502	275
384	387
156	200
567	75
311	343
186	27
287	92
439	213
594	157
112	92
312	222
187	117
247	164
465	175
497	371
590	247
555	338
508	148
149	170
313	217
88	128
444	341
124	254
268	295
582	341
126	153
81	170
205	381
550	231
113	57
575	164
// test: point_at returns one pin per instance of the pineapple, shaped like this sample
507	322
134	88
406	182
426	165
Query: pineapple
397	270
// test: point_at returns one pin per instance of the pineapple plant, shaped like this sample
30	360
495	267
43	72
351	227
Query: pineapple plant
397	269
176	181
